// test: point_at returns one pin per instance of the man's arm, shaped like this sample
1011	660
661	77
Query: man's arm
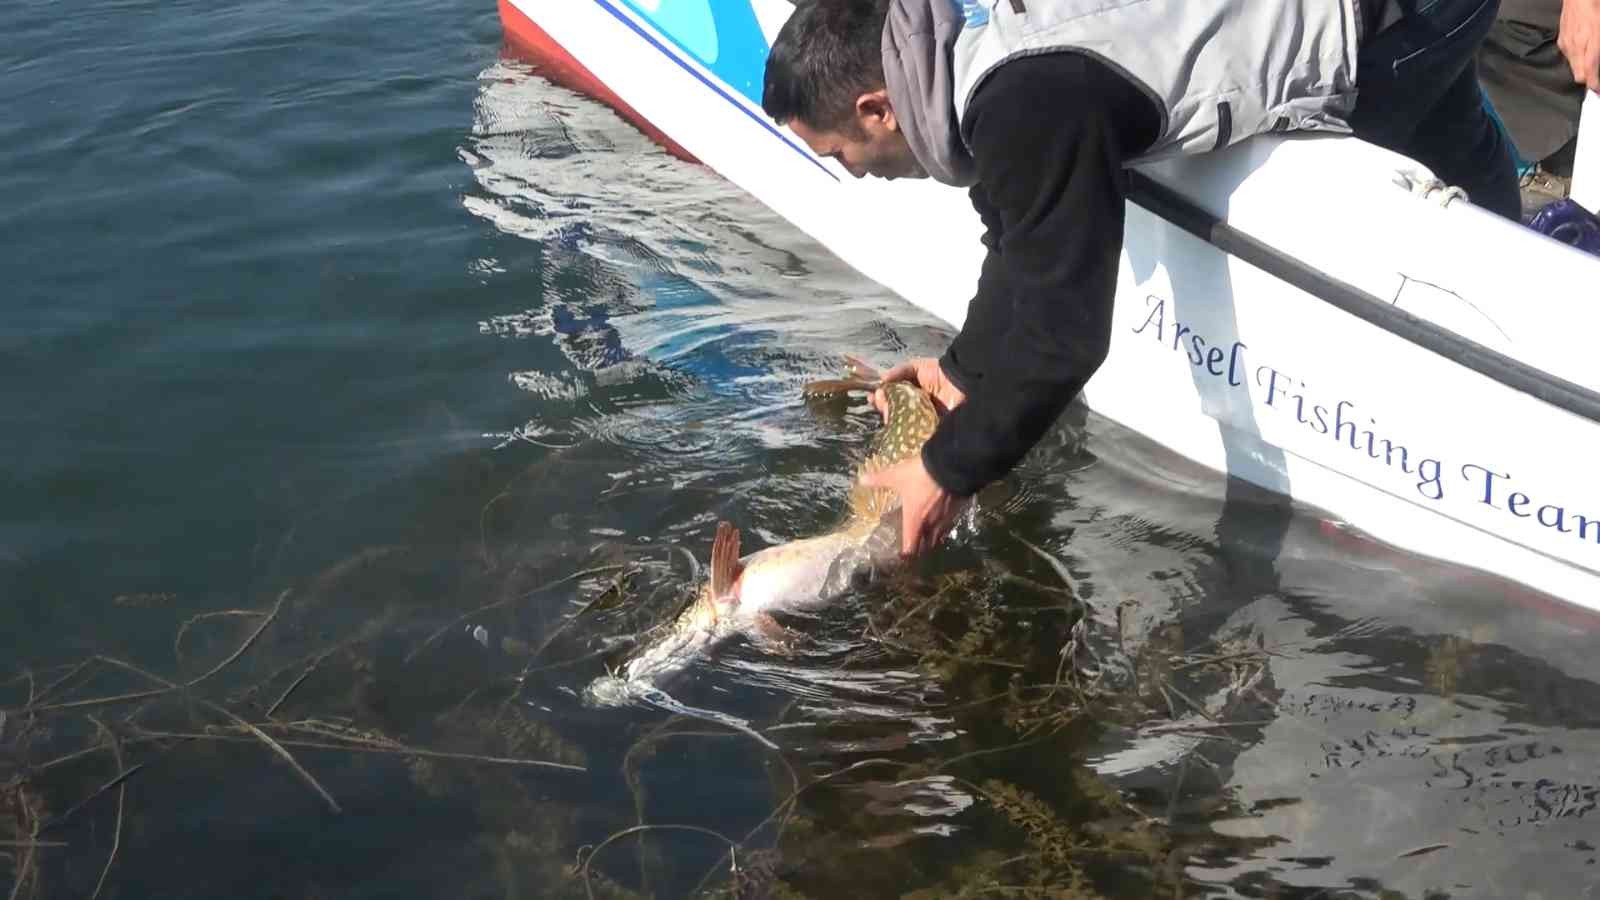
1049	134
988	313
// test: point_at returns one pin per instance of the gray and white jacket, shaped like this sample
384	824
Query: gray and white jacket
1218	70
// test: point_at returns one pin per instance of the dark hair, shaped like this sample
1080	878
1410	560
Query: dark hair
828	54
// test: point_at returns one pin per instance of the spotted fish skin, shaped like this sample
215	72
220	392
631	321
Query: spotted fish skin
797	576
910	421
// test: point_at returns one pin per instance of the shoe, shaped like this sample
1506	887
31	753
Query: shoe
1540	188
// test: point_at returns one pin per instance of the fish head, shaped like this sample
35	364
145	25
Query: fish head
609	691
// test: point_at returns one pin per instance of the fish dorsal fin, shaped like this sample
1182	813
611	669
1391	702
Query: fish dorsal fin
834	386
724	560
859	376
861	369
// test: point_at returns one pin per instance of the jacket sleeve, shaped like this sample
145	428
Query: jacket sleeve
1049	135
989	311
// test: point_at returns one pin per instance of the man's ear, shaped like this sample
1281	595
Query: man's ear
873	110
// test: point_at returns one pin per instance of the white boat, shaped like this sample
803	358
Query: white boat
1307	313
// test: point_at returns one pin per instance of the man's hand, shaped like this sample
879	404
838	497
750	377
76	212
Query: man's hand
926	374
927	511
1579	40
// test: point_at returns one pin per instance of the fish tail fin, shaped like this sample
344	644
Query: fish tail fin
724	560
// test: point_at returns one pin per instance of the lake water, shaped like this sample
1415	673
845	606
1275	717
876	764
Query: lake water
364	394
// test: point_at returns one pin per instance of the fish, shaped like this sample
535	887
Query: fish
741	593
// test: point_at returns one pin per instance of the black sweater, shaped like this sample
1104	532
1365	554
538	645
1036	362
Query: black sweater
1049	134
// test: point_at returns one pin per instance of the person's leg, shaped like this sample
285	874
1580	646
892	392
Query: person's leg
1419	96
1461	143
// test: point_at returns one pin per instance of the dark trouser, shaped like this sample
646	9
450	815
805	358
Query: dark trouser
1527	77
1419	96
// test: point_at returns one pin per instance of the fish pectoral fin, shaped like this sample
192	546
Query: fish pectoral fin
724	561
773	636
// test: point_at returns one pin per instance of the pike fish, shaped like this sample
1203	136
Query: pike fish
742	593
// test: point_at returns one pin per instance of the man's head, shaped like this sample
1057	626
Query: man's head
825	81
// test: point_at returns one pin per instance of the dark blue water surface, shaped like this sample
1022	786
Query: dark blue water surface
364	394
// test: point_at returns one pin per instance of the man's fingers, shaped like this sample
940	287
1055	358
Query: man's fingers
1581	47
906	371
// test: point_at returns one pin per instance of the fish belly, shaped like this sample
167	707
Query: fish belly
805	574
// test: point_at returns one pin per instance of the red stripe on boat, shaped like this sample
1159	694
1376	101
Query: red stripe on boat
560	66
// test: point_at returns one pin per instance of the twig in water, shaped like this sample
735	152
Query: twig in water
247	642
366	632
80	754
596	654
583	868
265	738
1177	790
659	734
167	686
483	527
51	687
177	640
787	808
561	629
122	776
1056	566
694	564
987	751
95	701
498	603
24	675
1190	701
287	756
355	746
122	799
297	682
1179	727
887	641
25	870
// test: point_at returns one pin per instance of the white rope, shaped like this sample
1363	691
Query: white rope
1429	188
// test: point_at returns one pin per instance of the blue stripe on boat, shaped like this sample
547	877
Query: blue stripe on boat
759	120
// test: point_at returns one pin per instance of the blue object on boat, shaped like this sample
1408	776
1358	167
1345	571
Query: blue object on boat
1569	223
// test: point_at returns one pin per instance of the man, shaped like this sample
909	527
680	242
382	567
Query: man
1036	105
1537	94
